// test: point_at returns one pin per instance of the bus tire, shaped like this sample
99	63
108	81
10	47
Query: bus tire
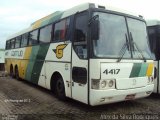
59	89
17	73
11	71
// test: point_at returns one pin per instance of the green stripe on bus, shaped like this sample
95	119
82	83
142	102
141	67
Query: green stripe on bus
52	18
44	23
135	70
31	63
43	49
55	17
143	70
36	69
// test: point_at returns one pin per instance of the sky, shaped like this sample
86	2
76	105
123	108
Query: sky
16	15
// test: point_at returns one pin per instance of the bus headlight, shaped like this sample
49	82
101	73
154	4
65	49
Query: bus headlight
108	84
103	84
111	83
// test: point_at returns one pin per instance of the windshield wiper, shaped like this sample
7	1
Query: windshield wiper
133	49
123	49
92	19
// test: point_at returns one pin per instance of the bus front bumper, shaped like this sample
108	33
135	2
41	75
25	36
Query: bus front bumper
99	97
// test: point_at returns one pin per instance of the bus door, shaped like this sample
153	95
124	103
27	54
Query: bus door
79	59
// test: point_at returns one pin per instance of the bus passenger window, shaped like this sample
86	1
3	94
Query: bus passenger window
45	34
24	40
60	30
81	50
80	35
18	42
33	37
8	44
12	43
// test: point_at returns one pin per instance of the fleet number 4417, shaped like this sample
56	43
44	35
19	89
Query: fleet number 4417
111	71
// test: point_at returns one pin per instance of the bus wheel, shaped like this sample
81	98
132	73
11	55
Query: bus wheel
11	71
16	73
60	90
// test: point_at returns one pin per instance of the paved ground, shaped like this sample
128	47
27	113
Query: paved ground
20	100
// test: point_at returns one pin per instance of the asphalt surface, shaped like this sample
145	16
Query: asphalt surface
20	100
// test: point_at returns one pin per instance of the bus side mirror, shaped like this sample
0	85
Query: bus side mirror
95	30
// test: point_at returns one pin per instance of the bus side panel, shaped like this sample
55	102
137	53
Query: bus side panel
58	59
24	62
31	63
36	62
15	57
52	67
38	66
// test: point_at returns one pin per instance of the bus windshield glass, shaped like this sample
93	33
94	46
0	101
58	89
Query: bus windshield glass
138	34
113	36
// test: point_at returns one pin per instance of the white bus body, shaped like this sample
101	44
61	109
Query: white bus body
92	54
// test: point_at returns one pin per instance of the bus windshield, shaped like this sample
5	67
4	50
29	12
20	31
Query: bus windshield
113	35
138	34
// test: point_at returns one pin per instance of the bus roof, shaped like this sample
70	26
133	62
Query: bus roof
62	14
153	22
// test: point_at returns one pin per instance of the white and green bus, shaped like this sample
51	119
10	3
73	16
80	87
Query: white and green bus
153	27
91	53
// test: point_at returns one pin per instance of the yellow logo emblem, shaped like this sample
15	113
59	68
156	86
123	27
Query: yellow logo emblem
59	50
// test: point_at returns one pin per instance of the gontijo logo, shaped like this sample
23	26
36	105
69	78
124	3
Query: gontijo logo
59	50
